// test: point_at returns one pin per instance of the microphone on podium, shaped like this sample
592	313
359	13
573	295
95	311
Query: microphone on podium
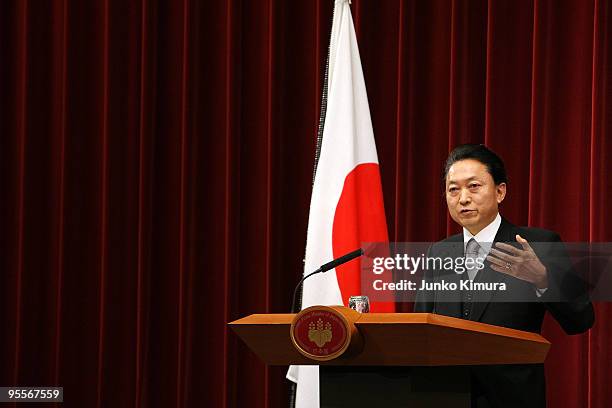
324	268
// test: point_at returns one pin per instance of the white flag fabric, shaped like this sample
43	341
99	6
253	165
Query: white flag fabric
346	206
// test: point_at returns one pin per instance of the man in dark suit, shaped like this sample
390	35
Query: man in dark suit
530	262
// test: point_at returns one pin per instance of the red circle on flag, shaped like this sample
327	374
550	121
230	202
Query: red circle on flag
359	218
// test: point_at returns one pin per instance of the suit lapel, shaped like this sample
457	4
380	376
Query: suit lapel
482	298
448	302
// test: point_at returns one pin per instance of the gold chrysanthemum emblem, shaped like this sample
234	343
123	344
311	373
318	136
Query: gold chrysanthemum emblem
320	333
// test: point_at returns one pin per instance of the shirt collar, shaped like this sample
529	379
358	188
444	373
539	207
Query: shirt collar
486	235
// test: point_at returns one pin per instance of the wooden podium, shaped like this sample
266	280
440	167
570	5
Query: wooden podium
407	359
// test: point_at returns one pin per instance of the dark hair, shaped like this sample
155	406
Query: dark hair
479	152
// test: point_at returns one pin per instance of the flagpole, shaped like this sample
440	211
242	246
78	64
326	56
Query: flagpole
322	113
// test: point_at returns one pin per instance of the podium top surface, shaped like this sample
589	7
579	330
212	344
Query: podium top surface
423	339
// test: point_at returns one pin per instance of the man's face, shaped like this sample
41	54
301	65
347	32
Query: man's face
471	195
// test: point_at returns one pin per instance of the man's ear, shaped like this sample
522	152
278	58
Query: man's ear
500	192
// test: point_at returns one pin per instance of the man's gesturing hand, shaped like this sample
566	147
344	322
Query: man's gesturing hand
521	263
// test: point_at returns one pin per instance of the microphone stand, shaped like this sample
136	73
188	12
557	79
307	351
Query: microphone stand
324	268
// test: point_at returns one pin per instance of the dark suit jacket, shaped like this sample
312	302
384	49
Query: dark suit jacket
566	299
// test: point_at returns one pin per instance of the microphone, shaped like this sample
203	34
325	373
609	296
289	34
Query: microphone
324	268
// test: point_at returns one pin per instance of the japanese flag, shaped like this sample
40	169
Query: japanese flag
346	207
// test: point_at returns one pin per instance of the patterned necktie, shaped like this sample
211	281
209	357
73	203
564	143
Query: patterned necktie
472	250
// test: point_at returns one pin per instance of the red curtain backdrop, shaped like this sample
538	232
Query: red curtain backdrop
156	166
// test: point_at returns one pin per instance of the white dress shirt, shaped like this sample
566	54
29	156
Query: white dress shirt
485	239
